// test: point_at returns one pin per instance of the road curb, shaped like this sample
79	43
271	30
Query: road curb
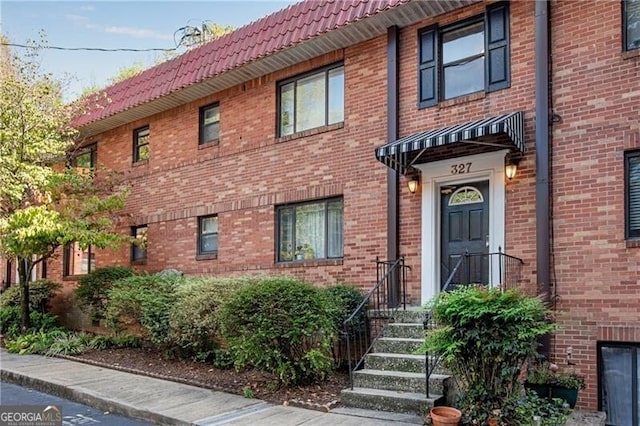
88	398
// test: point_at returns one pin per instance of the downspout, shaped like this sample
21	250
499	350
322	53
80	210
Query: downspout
393	176
542	132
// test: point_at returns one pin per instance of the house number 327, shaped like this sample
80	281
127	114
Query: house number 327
460	168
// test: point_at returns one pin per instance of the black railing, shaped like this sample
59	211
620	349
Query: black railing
494	269
377	309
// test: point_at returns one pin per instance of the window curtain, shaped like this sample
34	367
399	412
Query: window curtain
616	385
310	236
334	210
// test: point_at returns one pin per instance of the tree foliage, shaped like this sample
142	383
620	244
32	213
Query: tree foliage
43	203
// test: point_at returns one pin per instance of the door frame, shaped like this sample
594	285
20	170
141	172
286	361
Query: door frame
489	166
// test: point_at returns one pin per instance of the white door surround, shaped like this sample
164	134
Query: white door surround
456	171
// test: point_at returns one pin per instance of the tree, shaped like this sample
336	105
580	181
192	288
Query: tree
44	203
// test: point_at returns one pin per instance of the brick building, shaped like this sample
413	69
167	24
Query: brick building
286	147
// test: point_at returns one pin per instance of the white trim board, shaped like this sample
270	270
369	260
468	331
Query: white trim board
489	167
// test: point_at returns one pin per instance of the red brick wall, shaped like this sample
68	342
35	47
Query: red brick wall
244	177
520	218
596	96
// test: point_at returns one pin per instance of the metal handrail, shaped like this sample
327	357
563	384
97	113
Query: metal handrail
378	308
509	275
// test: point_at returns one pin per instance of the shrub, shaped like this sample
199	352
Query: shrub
10	321
142	304
194	324
477	324
344	299
40	293
551	412
92	289
280	325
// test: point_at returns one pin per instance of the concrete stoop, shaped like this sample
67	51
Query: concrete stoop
393	378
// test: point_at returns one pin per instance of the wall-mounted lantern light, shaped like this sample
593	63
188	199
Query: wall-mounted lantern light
413	182
511	167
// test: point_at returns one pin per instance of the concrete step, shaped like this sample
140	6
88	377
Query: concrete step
385	400
413	314
397	345
399	381
400	362
404	329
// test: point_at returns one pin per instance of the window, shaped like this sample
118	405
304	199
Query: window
631	23
464	58
632	182
141	144
139	247
310	231
78	261
209	123
207	235
311	100
86	158
618	383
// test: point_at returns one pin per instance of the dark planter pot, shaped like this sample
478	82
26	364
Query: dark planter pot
541	390
568	395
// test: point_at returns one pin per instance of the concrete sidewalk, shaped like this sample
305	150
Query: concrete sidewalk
165	402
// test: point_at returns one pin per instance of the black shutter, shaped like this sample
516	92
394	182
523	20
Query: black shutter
633	195
497	46
428	67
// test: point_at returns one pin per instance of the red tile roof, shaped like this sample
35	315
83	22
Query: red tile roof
271	34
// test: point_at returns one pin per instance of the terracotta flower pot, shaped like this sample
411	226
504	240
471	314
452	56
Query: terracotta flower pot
445	416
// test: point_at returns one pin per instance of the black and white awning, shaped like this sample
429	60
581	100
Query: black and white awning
489	134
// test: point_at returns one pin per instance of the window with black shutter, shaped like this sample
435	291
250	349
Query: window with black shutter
467	57
632	182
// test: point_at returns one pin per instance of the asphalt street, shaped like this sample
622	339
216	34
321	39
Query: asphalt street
72	412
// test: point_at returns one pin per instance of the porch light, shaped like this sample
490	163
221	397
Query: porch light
413	182
511	168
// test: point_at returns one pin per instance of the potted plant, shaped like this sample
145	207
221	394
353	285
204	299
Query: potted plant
566	386
304	251
540	377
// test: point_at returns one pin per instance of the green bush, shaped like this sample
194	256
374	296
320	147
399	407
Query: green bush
344	299
194	324
477	324
40	293
523	408
143	304
92	289
280	325
10	321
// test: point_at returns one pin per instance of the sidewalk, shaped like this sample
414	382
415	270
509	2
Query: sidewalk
165	402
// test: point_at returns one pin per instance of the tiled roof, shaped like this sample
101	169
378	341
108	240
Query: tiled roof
279	31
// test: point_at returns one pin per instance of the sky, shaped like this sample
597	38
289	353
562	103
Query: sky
114	25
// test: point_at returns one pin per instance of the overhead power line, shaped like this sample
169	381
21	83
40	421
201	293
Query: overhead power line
97	49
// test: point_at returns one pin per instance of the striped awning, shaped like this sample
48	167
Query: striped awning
489	134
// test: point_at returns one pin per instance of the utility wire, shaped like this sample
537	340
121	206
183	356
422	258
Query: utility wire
97	49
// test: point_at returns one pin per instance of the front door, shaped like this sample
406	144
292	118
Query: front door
465	229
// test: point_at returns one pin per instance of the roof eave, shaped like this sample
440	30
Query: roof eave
348	35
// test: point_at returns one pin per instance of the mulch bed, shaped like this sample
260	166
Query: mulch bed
321	396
